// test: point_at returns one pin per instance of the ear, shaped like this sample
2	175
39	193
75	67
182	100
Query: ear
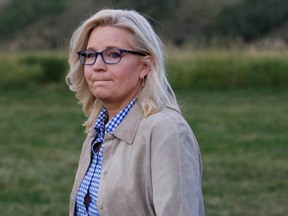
146	65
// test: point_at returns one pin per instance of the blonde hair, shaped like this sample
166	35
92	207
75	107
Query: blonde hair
157	90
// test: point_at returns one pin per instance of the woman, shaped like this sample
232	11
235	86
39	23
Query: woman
140	156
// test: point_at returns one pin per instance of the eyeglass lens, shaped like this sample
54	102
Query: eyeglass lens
110	56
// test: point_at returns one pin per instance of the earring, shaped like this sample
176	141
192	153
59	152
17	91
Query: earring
143	82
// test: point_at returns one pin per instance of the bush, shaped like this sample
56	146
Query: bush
24	71
52	68
229	70
15	75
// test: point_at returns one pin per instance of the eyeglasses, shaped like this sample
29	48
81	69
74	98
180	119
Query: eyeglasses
109	56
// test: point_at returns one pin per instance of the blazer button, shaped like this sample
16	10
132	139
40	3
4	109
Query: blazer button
100	207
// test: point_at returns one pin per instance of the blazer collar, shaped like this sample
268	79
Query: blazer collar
127	129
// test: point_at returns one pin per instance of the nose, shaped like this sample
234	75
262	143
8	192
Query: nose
99	63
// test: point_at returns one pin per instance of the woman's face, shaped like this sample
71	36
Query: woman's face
114	84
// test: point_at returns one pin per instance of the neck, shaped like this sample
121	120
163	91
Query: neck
115	107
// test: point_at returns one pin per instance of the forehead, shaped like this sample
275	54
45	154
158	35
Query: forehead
104	37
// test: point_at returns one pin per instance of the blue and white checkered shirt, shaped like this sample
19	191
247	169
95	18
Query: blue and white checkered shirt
86	201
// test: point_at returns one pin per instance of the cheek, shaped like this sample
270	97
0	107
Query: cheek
87	75
130	75
127	81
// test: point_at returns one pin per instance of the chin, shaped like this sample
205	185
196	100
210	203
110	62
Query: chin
103	97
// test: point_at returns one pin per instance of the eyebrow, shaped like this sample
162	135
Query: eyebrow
108	47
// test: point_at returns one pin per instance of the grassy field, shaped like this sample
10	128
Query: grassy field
242	135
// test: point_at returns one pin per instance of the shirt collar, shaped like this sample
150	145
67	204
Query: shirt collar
114	122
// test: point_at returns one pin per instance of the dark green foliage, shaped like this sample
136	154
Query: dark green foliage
18	14
31	70
202	24
250	20
158	9
52	68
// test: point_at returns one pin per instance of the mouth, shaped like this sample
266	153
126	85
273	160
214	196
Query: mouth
100	81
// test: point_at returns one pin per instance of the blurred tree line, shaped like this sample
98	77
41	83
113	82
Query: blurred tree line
249	20
53	21
17	14
158	9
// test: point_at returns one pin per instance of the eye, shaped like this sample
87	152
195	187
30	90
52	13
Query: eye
89	55
82	54
115	54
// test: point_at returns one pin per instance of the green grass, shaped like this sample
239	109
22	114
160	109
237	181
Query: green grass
41	137
242	135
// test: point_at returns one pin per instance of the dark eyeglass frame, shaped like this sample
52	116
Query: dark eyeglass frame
81	53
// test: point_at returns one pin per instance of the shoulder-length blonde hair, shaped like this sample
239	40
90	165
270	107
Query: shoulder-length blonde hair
157	90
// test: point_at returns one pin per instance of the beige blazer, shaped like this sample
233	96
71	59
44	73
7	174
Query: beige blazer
151	166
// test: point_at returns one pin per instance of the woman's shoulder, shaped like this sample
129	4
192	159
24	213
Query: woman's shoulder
167	118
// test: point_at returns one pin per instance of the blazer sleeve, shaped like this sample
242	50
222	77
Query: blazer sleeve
176	170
